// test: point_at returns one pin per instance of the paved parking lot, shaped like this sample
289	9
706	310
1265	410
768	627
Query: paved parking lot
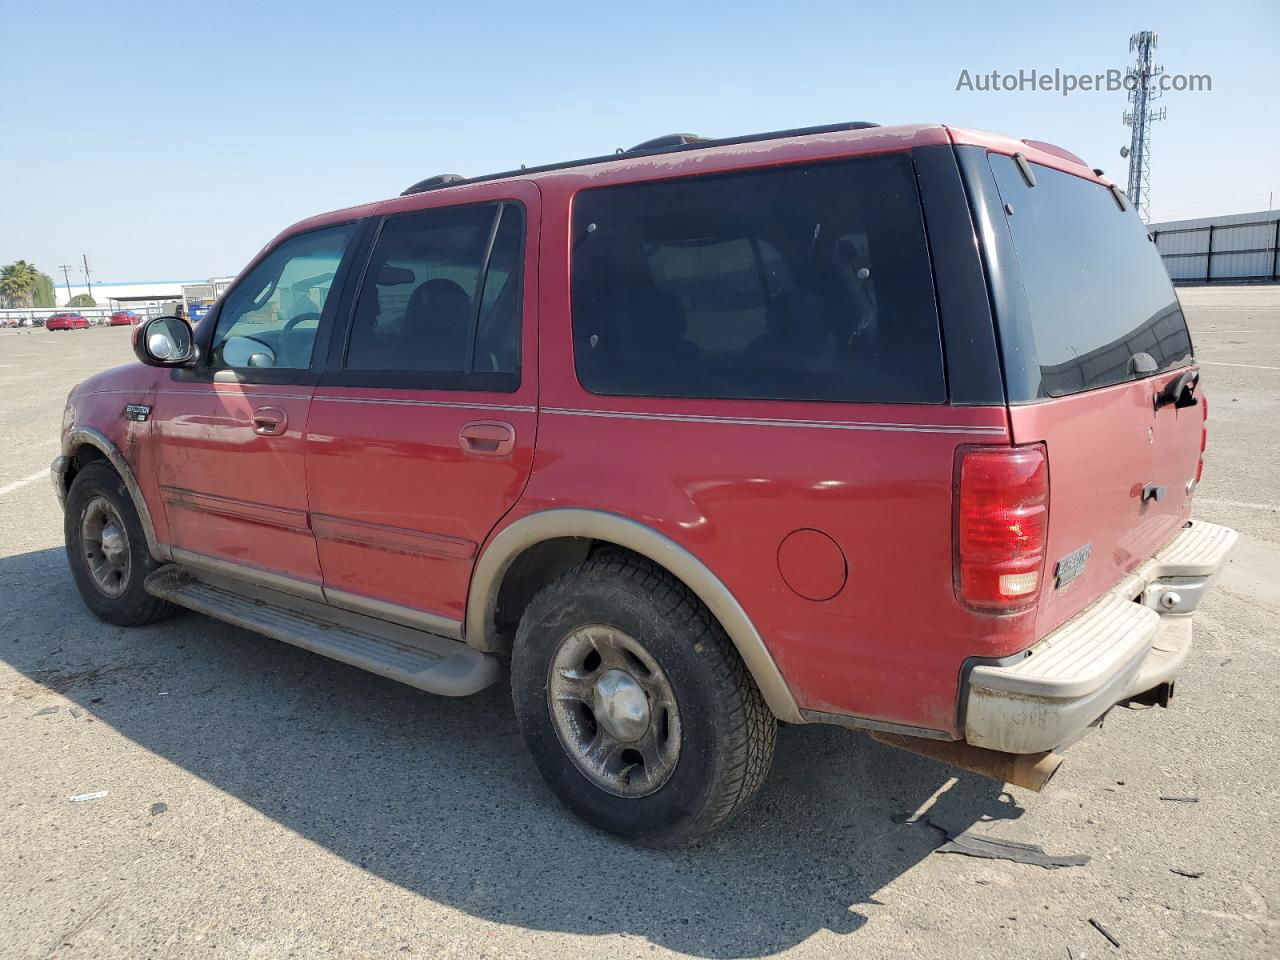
265	802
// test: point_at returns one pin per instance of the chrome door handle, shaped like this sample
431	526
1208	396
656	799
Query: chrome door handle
487	438
269	421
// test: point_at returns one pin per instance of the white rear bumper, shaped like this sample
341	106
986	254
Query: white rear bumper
1131	640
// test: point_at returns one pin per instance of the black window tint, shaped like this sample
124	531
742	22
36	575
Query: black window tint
429	306
806	283
1098	291
497	347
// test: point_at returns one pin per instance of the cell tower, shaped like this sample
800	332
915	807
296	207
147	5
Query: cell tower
1140	79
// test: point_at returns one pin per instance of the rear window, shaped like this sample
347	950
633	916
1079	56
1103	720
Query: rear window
1099	294
800	283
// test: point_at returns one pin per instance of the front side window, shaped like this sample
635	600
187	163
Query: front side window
441	297
272	316
800	283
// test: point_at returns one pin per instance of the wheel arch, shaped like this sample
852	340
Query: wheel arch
76	453
571	532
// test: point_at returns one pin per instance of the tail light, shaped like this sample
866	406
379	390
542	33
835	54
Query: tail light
1002	523
1204	436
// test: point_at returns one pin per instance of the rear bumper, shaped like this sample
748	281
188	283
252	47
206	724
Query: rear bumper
1130	641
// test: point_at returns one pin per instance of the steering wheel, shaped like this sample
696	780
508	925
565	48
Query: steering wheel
293	322
286	353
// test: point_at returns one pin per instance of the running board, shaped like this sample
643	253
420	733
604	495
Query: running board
423	660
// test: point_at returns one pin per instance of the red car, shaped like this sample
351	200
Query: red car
820	426
124	318
66	321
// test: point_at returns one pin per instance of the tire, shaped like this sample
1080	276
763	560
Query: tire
695	765
98	500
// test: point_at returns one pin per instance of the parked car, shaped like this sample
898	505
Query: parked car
66	321
820	426
124	318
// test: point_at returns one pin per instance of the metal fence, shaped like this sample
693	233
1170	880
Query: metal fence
1243	247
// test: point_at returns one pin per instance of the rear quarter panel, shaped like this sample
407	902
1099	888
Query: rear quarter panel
729	479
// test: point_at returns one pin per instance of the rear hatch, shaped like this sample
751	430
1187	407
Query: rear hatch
1095	350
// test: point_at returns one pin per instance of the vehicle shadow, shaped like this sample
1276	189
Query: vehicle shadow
439	796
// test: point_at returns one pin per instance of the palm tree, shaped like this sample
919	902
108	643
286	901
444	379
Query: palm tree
18	282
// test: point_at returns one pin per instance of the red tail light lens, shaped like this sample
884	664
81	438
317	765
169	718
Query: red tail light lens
1204	436
1002	522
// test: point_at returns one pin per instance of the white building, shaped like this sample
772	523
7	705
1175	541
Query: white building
140	294
132	294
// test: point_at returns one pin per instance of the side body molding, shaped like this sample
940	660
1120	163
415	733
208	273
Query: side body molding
486	580
81	436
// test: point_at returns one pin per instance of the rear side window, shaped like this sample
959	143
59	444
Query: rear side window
800	283
441	296
1099	294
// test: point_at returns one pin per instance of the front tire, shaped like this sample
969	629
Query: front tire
638	711
107	550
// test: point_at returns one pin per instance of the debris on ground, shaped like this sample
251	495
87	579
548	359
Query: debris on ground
159	808
76	714
993	848
1074	954
1182	799
82	797
45	712
1193	874
1105	932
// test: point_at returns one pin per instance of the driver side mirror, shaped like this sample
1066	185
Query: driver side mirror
165	342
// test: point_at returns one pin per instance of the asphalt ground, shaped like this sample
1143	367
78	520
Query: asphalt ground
265	802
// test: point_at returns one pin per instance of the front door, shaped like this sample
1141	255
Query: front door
421	433
230	432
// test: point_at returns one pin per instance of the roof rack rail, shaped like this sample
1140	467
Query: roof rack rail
672	143
669	140
431	183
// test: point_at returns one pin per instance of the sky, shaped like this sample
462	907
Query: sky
171	140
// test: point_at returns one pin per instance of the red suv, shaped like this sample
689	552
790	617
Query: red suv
66	321
891	428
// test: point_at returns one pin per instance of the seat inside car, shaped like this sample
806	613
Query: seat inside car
796	333
437	327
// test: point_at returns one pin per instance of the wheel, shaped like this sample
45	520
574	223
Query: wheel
107	550
639	713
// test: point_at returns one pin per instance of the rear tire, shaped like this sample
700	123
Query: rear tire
107	550
638	711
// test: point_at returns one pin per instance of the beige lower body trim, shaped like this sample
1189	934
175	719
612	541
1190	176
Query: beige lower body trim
394	613
246	574
340	599
82	436
486	581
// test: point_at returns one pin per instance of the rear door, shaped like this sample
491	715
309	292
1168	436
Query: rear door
422	431
1096	337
